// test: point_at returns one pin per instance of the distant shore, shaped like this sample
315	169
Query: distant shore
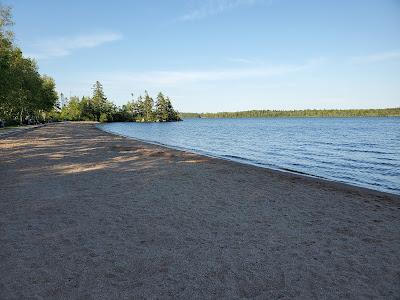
88	214
305	113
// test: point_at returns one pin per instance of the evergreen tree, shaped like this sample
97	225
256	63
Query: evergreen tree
172	114
139	110
161	108
148	104
99	101
87	110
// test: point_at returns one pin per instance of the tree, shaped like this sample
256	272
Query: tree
139	109
25	95
99	101
72	110
49	96
172	114
161	108
88	112
7	54
148	104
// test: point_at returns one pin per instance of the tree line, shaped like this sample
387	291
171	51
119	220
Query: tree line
26	96
98	108
384	112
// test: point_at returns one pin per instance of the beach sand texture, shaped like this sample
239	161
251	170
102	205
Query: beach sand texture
85	214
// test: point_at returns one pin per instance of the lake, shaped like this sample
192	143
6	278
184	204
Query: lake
359	151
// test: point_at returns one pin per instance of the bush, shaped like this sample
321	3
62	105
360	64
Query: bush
103	118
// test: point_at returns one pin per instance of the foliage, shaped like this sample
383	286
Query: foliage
164	110
385	112
101	108
25	95
73	110
98	108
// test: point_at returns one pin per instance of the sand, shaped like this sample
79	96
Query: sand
89	215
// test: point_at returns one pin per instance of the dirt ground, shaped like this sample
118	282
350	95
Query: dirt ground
88	215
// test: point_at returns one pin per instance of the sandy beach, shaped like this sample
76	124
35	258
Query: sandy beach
89	215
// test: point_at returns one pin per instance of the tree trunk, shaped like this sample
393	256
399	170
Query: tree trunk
20	117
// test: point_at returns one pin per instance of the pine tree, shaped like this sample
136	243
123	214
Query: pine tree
172	114
98	98
99	101
161	108
138	109
148	104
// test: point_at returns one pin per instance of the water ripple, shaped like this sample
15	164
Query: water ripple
359	151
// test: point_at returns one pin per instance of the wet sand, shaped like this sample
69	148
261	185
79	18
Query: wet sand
85	214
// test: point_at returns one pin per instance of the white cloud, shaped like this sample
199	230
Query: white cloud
377	57
197	89
241	60
63	46
181	78
214	7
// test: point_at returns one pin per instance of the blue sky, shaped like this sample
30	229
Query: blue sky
220	55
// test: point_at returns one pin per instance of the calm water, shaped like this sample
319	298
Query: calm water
359	151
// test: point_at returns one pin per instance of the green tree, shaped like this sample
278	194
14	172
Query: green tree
139	109
172	114
24	93
99	101
162	113
49	96
148	104
88	111
72	110
130	110
7	56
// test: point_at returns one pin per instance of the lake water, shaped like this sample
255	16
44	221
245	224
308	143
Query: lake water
360	151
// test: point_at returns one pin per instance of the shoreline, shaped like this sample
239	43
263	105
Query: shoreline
246	162
88	214
8	131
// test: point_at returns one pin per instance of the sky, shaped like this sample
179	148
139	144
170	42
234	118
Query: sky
219	55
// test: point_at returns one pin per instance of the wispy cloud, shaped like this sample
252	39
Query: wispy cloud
180	78
214	7
195	83
63	46
241	60
377	57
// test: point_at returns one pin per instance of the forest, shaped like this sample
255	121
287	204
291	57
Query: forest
384	112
